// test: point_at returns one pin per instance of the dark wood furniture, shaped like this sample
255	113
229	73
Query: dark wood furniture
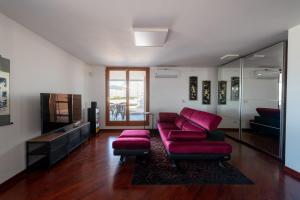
49	148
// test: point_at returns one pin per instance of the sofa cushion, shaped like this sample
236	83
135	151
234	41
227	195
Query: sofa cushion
167	125
135	133
186	135
187	112
188	126
164	133
179	121
206	120
131	143
164	136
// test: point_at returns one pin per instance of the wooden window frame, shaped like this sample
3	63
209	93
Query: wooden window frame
147	93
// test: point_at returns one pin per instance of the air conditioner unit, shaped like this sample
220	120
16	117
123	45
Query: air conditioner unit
166	73
267	74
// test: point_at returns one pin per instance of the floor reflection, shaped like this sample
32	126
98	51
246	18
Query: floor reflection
265	142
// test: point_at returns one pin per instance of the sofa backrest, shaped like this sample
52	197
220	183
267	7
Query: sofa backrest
269	112
209	121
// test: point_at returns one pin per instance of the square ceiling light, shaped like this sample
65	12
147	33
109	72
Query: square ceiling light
150	37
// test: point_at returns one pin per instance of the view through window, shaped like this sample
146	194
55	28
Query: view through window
127	96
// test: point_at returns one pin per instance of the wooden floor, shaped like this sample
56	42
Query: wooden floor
92	172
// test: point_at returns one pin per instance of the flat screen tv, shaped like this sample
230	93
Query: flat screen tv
59	110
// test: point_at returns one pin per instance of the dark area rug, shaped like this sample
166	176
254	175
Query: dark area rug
157	170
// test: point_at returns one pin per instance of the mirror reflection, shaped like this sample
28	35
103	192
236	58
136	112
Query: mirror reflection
262	82
253	108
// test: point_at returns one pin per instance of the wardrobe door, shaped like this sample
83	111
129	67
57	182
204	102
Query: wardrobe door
229	98
261	99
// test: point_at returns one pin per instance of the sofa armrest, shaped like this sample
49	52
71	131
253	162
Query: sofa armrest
216	135
177	135
167	117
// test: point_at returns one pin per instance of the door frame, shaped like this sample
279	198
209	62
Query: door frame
147	93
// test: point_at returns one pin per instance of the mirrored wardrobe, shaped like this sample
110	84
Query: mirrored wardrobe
251	93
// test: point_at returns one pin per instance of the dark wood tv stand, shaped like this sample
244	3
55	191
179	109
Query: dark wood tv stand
49	148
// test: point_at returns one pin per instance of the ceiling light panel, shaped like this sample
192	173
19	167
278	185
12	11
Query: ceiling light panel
229	56
150	37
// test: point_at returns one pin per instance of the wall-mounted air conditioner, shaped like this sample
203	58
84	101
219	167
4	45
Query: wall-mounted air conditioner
166	73
267	74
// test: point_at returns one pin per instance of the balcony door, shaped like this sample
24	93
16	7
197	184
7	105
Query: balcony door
127	96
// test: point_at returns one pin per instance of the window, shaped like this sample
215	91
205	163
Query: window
127	96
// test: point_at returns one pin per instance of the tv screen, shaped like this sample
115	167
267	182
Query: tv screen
59	110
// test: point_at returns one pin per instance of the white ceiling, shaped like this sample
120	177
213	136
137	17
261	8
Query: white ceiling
100	31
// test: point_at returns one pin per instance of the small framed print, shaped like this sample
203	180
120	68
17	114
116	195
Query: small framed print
222	86
206	92
235	88
193	88
4	92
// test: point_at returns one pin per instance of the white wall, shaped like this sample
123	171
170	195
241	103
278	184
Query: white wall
292	158
166	94
36	66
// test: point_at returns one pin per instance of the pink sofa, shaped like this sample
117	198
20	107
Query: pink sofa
192	135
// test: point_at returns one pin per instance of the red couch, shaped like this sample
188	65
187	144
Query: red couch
192	135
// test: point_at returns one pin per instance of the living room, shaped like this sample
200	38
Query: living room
190	100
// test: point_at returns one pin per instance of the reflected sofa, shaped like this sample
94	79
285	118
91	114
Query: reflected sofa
267	121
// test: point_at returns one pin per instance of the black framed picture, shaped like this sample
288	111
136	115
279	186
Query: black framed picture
4	91
235	88
206	92
222	86
193	88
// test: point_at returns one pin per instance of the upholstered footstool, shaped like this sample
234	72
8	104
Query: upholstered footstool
135	133
132	143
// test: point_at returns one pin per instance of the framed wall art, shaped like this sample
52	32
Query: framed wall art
4	92
193	88
206	92
222	86
235	88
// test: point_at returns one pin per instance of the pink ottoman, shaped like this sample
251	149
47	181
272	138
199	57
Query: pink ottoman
135	133
132	143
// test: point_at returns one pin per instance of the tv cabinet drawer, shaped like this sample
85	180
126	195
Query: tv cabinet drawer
74	135
58	143
58	154
85	131
74	140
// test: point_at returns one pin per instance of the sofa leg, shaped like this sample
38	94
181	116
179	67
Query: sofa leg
122	159
174	164
141	159
221	164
